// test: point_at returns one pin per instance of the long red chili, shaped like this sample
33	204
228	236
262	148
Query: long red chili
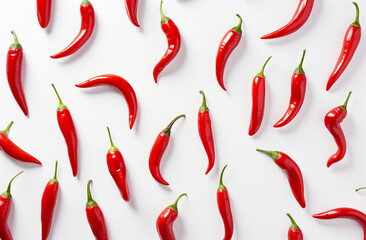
5	206
131	8
332	121
228	43
173	37
293	172
95	217
294	232
158	149
165	221
14	66
350	44
49	198
300	17
44	12
258	99
117	169
121	85
86	30
67	128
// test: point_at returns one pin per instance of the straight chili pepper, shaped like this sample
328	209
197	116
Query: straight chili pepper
44	12
228	43
258	99
350	43
131	8
117	169
173	37
14	66
332	121
86	30
5	206
293	173
165	221
158	149
95	217
67	128
121	85
49	198
294	232
205	132
298	89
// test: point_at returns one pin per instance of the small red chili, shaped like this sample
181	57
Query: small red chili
228	43
86	30
293	173
44	12
67	128
294	232
158	149
350	43
49	198
332	121
165	221
298	89
131	8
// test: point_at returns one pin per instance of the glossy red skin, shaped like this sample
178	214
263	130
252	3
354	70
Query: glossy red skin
67	128
97	222
258	99
121	85
86	30
49	198
295	234
164	224
5	205
223	202
228	43
298	89
131	8
350	44
173	36
157	152
300	17
44	12
332	121
117	169
14	66
205	132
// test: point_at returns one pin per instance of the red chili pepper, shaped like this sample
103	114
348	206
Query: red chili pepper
165	221
300	17
14	66
228	43
173	36
121	85
223	202
294	232
117	169
258	99
131	8
158	149
293	173
86	30
12	150
298	89
49	198
332	121
95	217
350	44
67	128
44	12
5	205
205	132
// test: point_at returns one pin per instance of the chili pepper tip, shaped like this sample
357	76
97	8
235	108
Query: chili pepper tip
356	22
174	206
293	223
221	185
344	106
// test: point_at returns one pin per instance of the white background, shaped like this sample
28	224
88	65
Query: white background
259	191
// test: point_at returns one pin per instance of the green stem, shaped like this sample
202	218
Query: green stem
16	43
162	16
7	194
5	131
203	106
54	179
299	69
261	73
237	28
61	104
344	106
356	22
273	154
362	188
90	203
221	184
167	130
293	223
112	148
174	206
85	2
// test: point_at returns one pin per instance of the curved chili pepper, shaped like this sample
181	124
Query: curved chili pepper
117	169
49	198
258	99
86	30
12	150
67	128
121	85
294	232
165	221
332	121
131	8
350	43
14	66
205	132
228	43
95	217
173	37
300	17
298	89
293	172
44	12
158	149
5	205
